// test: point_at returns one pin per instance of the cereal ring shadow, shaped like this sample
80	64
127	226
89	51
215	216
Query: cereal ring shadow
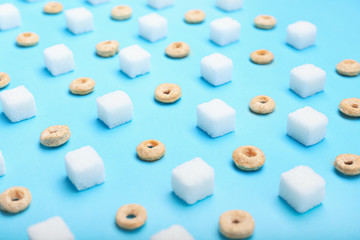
135	231
348	117
52	148
167	104
247	172
345	176
260	115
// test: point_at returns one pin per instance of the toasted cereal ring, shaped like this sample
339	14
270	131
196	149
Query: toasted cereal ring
121	12
177	50
350	107
131	216
82	86
55	136
27	39
150	150
107	48
348	164
265	22
4	80
248	158
348	67
195	16
236	224
53	8
168	93
261	57
15	199
262	104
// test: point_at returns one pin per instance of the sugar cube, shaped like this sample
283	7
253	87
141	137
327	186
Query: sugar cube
152	27
301	34
134	61
302	188
2	165
53	228
9	16
79	20
158	4
18	104
84	167
307	126
216	69
59	59
95	2
229	5
193	180
224	31
175	232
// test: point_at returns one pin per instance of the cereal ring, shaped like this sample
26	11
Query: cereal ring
168	93
4	80
15	199
262	104
122	12
236	224
82	86
262	57
131	216
150	150
248	158
195	16
348	164
107	48
177	50
55	136
265	22
350	107
53	8
27	39
348	67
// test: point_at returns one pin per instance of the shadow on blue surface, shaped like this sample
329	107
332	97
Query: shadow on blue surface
131	232
350	178
101	124
69	186
4	118
256	172
45	148
167	104
348	117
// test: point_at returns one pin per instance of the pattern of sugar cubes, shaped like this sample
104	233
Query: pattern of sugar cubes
114	108
193	180
158	4
95	2
59	59
175	232
302	188
216	118
216	69
53	228
9	16
18	104
85	168
134	61
224	31
79	20
229	5
152	27
307	126
2	165
301	34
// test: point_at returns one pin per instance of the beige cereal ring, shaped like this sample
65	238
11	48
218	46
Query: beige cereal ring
248	158
265	22
82	86
27	39
348	67
53	8
261	57
348	164
177	50
350	107
168	93
150	150
107	48
55	136
4	80
262	104
121	12
195	16
131	216
15	199
236	224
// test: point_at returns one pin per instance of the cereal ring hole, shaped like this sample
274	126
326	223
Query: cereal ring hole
262	52
16	196
27	35
349	162
107	42
83	80
263	100
250	152
178	45
166	92
120	7
266	17
131	216
354	105
235	221
152	144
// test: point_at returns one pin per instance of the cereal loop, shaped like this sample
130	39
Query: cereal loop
4	80
236	224
350	107
348	67
107	48
262	104
15	199
168	93
348	164
122	12
195	16
248	158
265	22
150	150
131	216
27	39
55	136
177	50
82	86
53	8
261	57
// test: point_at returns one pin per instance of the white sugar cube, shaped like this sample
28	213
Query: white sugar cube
224	31
59	59
18	104
134	61
79	20
216	118
2	165
53	228
307	79
85	168
301	34
158	4
307	126
216	69
152	27
9	16
193	180
302	188
175	232
95	2
229	5
114	108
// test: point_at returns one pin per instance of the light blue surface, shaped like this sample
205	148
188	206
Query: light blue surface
91	214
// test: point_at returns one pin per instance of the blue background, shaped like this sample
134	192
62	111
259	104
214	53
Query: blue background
91	214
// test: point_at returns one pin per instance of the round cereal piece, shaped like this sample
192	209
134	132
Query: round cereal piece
82	86
27	39
177	50
107	48
150	150
131	216
348	164
265	22
4	80
55	136
236	224
121	12
350	107
15	199
262	104
53	8
168	93
348	67
261	57
248	158
195	16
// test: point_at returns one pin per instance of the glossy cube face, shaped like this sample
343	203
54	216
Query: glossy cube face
224	31
216	69
158	4
79	20
9	16
152	27
134	61
229	5
52	228
59	59
301	34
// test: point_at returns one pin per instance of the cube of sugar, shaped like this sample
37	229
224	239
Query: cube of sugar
193	180
158	4
53	228
85	168
95	2
229	5
114	108
224	31
216	118
216	69
152	27
2	165
301	34
302	188
307	79
307	126
175	232
18	104
134	61
79	20
59	59
9	16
